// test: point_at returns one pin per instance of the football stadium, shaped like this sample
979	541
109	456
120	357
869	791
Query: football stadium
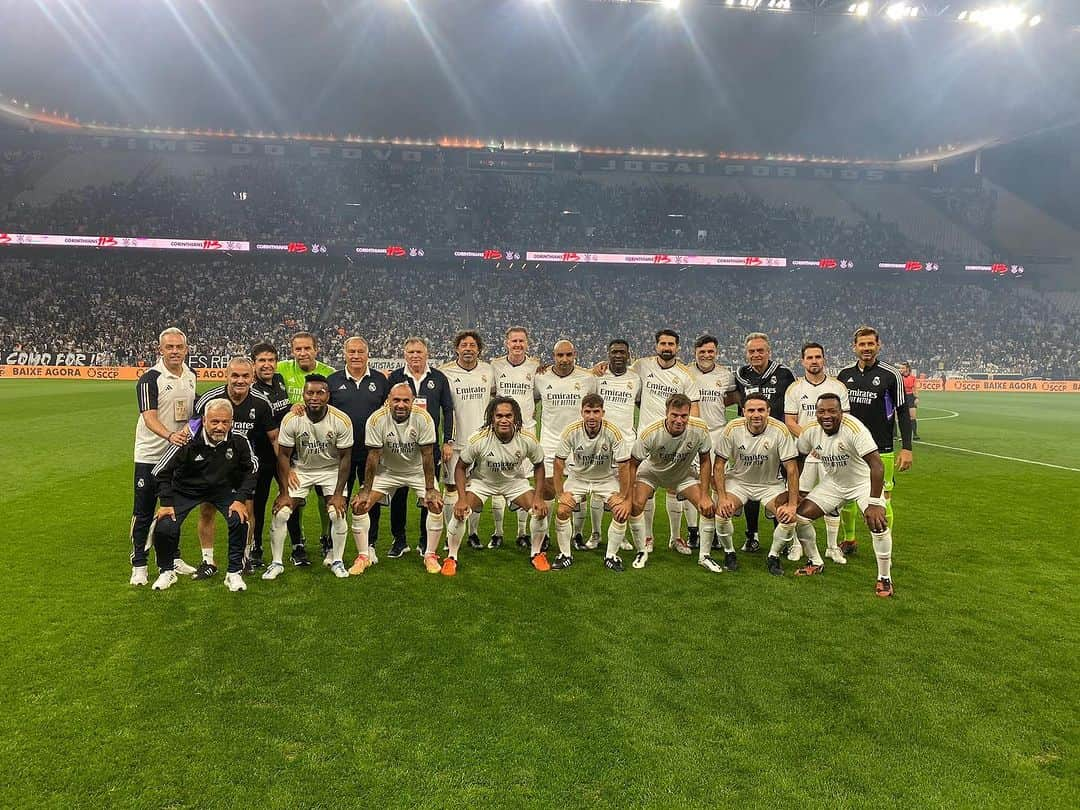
540	403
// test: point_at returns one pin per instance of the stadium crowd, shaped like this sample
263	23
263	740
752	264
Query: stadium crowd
114	306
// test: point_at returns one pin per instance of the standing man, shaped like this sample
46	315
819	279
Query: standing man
761	375
358	391
751	451
471	382
431	392
852	472
663	458
620	389
322	437
716	385
514	375
493	459
401	455
800	411
271	385
253	419
166	395
216	466
560	391
876	394
911	394
304	347
662	376
595	454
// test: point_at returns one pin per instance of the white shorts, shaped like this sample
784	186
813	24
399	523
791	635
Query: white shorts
324	481
389	483
448	469
581	490
483	490
832	498
762	493
810	476
656	481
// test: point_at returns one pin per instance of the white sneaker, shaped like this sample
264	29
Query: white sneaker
328	560
640	559
371	555
836	555
649	545
235	582
795	552
711	565
593	542
626	545
273	570
138	575
166	579
337	568
182	568
679	545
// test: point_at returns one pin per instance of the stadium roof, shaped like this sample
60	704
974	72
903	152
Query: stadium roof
565	71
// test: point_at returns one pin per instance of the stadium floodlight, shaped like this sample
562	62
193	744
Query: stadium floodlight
1035	20
670	5
999	18
897	11
859	9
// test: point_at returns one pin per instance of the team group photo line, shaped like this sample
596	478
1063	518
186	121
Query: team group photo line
606	438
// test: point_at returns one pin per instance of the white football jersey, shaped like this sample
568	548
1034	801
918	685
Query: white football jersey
801	398
754	459
841	455
498	463
319	444
516	382
657	384
560	401
592	458
713	386
401	442
172	396
672	456
471	391
621	393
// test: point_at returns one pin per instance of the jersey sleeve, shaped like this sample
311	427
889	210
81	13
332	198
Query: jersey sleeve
640	450
373	432
693	390
864	442
345	436
563	450
620	450
287	432
787	448
803	444
706	445
468	452
722	448
146	389
427	430
791	405
845	404
535	452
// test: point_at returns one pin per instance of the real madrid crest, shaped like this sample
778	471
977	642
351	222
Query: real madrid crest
229	454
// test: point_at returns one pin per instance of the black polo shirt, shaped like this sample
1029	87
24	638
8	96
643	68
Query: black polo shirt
253	418
876	394
359	399
433	395
278	395
773	383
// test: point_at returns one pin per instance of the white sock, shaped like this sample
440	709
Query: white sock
279	528
725	528
339	531
637	531
674	509
562	534
883	552
781	537
707	527
208	555
578	519
832	530
616	533
596	508
434	532
361	525
808	540
691	513
648	516
449	499
455	531
498	512
539	529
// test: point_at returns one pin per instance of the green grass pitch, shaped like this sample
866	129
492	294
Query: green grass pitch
667	687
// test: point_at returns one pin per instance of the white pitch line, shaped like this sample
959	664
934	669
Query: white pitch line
951	414
995	455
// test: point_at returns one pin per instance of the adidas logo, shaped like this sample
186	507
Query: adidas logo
199	457
491	454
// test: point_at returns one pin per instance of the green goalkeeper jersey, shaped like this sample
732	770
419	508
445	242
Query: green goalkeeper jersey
294	377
